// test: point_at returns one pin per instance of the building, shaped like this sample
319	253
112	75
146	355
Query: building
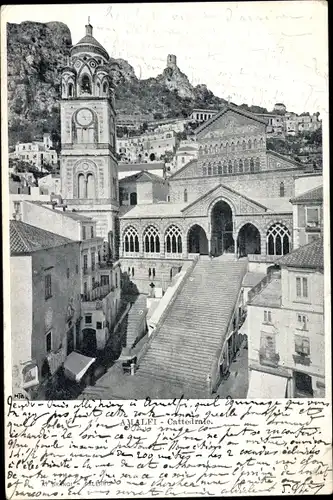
233	199
187	151
307	216
143	187
45	303
99	273
280	122
148	147
37	153
50	184
202	115
286	327
155	167
89	172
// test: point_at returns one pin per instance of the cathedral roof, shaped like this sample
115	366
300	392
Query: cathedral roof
89	44
315	195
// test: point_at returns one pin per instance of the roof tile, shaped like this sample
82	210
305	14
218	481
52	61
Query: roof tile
25	238
310	256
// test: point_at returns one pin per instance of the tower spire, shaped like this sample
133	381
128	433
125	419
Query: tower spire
89	28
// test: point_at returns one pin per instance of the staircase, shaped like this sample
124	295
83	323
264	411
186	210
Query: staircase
185	346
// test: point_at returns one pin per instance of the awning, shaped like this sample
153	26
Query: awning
76	365
264	385
126	354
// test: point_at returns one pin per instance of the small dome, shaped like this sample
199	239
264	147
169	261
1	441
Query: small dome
89	44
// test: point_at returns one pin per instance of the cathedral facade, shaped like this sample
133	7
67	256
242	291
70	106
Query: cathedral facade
233	199
89	171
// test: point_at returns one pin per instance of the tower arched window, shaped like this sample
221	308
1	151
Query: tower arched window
81	183
230	167
261	143
246	165
209	170
278	240
70	90
240	166
173	240
244	145
63	89
185	195
90	186
131	240
225	167
281	189
151	240
85	84
251	165
216	149
98	88
105	88
220	168
249	144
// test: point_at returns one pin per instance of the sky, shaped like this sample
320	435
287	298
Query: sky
250	52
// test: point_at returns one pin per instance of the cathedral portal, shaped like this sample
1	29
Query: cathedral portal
222	229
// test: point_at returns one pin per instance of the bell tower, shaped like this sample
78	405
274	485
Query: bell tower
89	170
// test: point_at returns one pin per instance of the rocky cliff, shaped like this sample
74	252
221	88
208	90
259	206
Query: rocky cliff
36	55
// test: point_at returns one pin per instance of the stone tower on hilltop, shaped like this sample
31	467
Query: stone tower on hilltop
89	169
172	61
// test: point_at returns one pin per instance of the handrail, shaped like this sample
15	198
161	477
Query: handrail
167	309
259	286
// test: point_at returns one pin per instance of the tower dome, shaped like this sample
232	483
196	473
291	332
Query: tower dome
89	44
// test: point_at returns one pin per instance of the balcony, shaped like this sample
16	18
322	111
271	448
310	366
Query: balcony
97	293
301	359
268	358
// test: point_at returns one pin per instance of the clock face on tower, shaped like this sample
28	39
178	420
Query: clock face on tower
84	117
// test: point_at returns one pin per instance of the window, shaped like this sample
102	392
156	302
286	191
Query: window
85	264
230	167
48	341
153	272
133	272
98	325
312	216
302	345
104	279
301	287
131	240
149	272
88	319
267	354
116	276
185	195
278	240
92	231
67	272
77	269
151	240
251	165
204	170
220	169
93	282
93	262
173	240
209	170
302	322
84	235
267	317
85	84
240	166
48	286
282	189
85	288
